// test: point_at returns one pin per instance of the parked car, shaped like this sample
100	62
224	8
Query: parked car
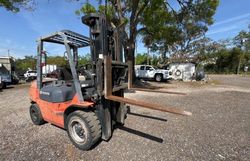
149	72
30	75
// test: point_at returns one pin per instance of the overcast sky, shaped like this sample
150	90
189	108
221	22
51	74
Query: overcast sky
19	31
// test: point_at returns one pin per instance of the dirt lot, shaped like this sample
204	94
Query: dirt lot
219	128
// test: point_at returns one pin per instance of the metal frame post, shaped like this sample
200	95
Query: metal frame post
39	67
73	70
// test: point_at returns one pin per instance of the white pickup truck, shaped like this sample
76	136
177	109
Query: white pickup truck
30	74
149	72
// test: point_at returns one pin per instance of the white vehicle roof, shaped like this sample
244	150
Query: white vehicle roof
143	65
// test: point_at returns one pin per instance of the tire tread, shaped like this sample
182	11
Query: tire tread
93	124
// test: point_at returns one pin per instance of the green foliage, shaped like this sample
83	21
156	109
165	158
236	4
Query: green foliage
30	62
86	9
227	61
224	63
160	25
27	62
57	60
109	11
242	40
155	61
15	5
141	59
83	60
171	30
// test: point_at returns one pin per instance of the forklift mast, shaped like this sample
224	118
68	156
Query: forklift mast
107	55
110	71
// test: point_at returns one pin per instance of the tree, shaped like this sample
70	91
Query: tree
57	60
141	59
15	5
230	55
190	25
242	41
26	63
226	60
160	25
201	50
83	60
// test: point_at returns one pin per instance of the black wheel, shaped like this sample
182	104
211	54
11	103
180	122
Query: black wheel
158	77
4	85
84	129
36	115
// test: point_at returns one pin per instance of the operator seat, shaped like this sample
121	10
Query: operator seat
61	90
65	74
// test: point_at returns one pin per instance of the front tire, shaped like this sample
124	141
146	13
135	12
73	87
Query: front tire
36	115
158	77
84	129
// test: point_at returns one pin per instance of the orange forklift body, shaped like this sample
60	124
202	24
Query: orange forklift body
54	112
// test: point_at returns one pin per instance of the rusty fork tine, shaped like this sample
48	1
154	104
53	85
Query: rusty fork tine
148	105
158	91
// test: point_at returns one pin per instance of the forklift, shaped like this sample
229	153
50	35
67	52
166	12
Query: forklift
88	104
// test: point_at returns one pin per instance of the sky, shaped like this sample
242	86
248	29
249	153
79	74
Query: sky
19	31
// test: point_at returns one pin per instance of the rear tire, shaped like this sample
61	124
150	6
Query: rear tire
84	129
158	77
36	115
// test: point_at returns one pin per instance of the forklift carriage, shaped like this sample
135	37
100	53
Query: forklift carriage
87	108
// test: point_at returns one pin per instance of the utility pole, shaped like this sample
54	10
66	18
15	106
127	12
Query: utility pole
8	52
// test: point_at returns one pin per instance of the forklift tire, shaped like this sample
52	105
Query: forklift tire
158	77
36	115
84	129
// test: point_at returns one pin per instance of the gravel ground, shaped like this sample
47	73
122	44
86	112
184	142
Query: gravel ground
219	128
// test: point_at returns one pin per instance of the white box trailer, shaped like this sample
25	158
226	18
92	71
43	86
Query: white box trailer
49	68
182	71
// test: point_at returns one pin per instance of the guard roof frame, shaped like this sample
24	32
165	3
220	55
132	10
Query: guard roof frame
73	39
